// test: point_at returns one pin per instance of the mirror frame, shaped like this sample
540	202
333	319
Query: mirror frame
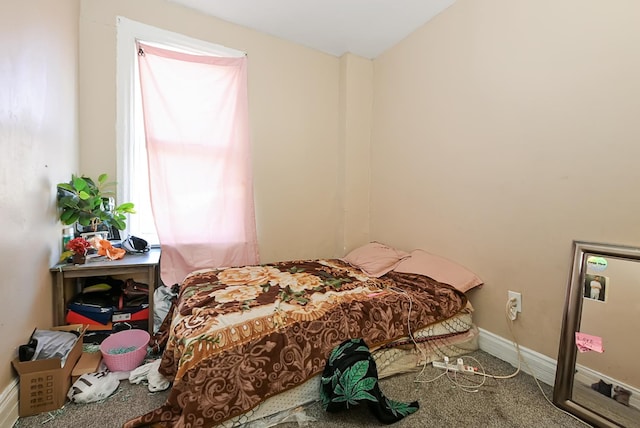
567	352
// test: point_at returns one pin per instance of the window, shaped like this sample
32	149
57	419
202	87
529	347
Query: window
132	170
199	178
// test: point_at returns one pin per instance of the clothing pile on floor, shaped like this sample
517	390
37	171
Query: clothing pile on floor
92	387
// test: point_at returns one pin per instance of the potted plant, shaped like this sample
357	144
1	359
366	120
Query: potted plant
77	249
88	203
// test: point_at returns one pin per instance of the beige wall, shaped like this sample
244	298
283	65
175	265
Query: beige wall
356	102
293	102
38	136
500	131
503	130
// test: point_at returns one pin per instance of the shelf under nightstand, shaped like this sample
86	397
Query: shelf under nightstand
144	266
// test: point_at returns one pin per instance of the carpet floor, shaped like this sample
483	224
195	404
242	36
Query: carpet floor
498	403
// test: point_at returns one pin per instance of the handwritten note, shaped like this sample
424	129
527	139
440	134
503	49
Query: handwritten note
586	342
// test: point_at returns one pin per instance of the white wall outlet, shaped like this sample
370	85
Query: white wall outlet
518	297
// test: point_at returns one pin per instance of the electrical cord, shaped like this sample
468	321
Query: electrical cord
508	313
453	375
410	334
512	309
468	387
521	359
464	387
480	372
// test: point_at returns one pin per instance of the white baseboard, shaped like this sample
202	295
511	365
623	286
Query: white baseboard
9	404
543	367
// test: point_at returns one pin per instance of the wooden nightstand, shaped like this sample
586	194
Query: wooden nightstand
143	266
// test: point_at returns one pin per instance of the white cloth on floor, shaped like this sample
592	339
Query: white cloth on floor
150	373
139	374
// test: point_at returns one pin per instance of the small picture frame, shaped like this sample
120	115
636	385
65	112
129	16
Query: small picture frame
596	287
90	236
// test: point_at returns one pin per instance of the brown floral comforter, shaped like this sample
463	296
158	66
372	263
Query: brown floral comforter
241	335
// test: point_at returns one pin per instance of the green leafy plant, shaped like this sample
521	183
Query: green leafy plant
86	202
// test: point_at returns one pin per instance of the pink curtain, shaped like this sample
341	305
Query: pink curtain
197	137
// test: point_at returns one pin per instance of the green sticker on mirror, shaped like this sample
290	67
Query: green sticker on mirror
597	264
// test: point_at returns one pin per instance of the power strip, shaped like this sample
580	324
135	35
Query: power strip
460	367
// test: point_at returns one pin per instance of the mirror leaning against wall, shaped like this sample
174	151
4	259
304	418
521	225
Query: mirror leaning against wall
598	372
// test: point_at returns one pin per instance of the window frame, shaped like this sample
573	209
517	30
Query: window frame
128	33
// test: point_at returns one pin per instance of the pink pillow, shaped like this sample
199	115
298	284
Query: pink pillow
440	269
375	259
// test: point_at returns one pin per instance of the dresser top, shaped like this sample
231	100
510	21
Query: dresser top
150	258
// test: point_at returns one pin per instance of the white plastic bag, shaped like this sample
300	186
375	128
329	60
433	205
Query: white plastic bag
53	344
161	304
92	387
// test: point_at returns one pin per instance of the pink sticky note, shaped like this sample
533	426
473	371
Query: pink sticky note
586	342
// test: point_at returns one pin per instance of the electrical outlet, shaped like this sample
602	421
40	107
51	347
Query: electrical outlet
518	297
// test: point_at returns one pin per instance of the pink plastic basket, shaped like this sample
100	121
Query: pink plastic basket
124	362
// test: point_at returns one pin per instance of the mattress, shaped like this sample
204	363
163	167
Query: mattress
241	337
452	337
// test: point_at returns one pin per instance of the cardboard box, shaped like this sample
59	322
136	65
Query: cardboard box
89	362
44	383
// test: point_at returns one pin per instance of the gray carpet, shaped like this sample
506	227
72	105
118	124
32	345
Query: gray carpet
515	402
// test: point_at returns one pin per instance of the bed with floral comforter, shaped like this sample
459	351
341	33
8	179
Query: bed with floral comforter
241	335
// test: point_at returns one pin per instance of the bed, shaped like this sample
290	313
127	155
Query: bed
248	342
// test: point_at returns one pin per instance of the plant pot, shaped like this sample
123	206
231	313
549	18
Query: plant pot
79	259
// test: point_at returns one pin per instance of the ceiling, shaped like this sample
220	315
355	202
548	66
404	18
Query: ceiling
362	27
